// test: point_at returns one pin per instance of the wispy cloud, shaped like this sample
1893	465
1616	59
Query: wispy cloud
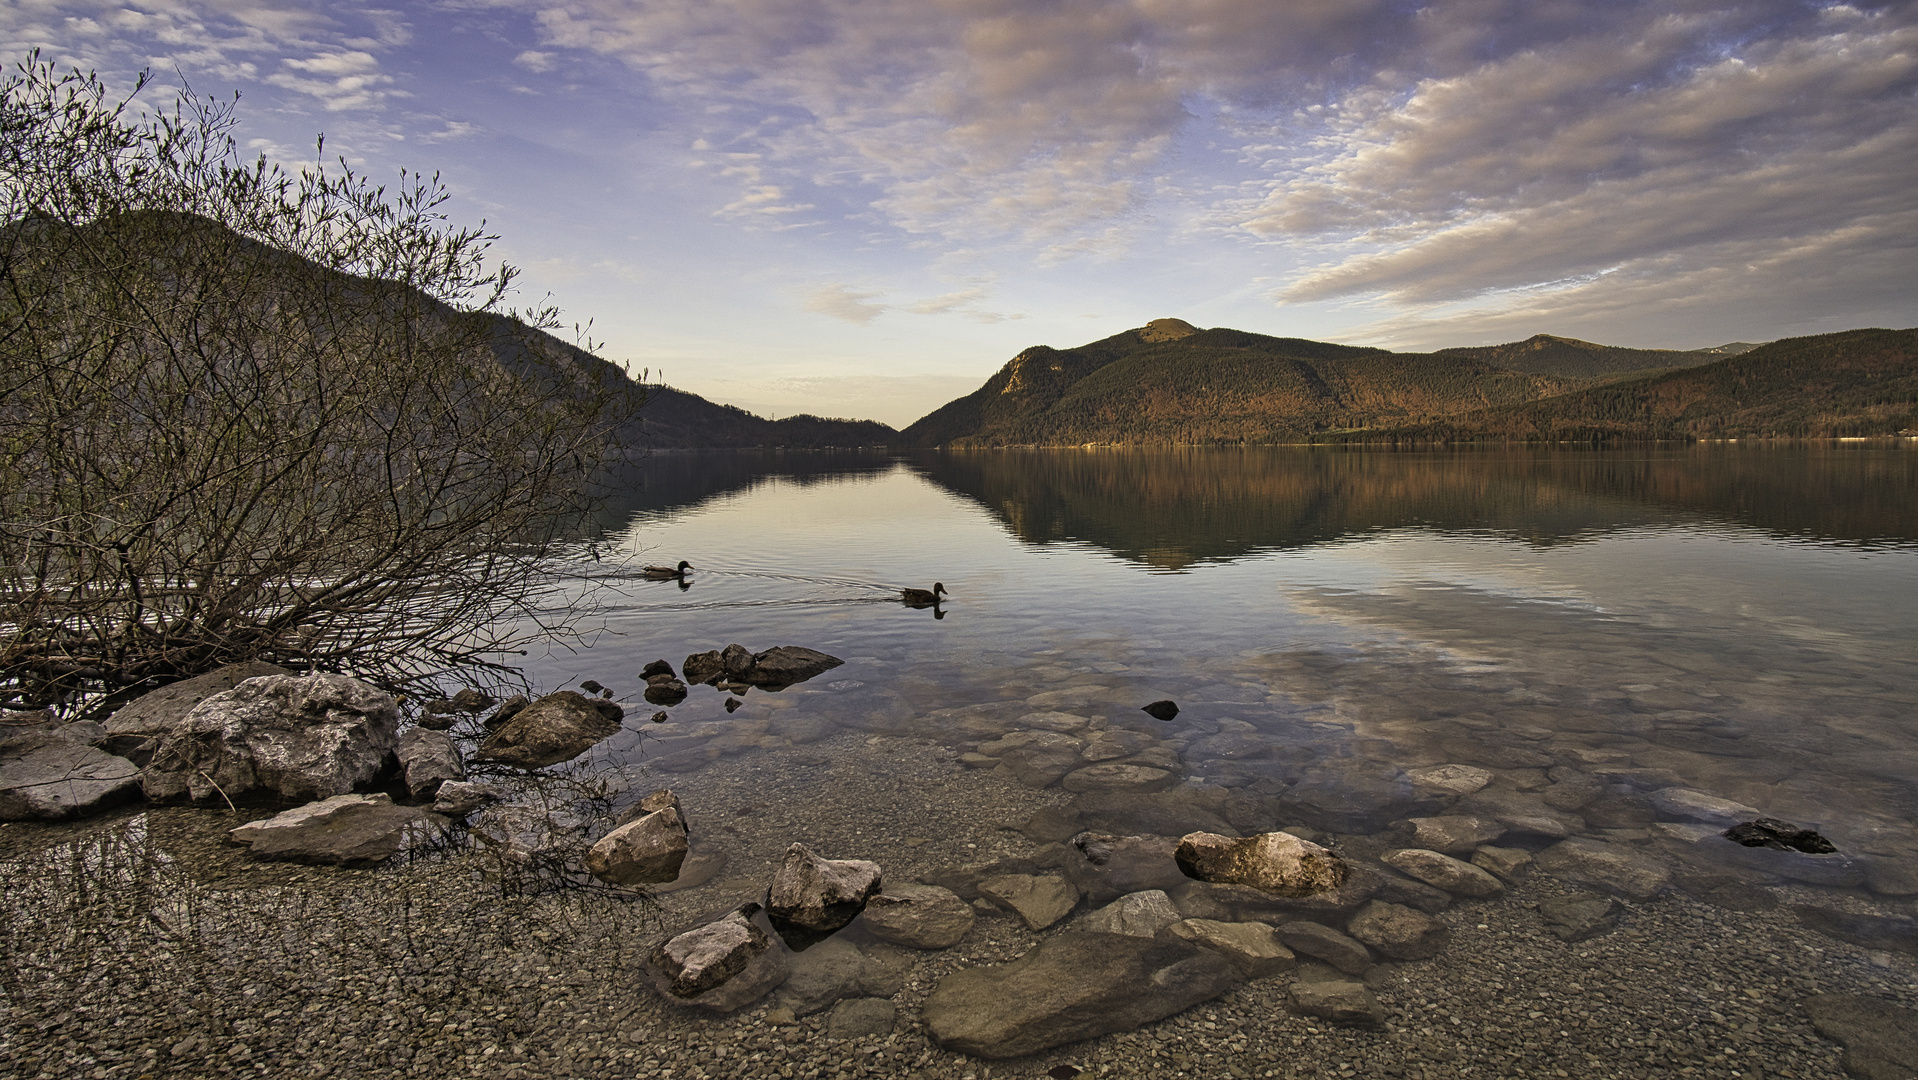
842	301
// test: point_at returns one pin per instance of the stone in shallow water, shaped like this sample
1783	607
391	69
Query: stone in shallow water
1780	835
861	1018
1690	805
1580	916
728	963
1453	779
1865	931
1443	872
836	969
1505	862
1610	867
1341	1001
1106	867
1073	986
345	830
428	759
1040	899
1277	862
1881	1039
918	916
556	728
645	851
46	776
1115	776
1326	944
1454	834
811	898
296	737
1140	914
1253	947
1398	931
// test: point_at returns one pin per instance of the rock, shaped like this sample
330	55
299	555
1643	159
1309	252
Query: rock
1118	776
1354	795
1037	758
1452	779
918	916
1454	834
1276	862
1780	835
1892	876
1580	916
1160	710
735	661
46	776
611	710
645	851
665	690
702	668
1070	987
780	667
861	1017
964	880
721	966
1601	865
836	969
427	760
1865	931
288	736
1521	812
1880	1038
1140	914
344	830
1571	789
1341	1001
654	669
592	686
732	705
469	700
1688	805
1399	932
1443	872
508	709
699	868
442	720
1106	867
134	730
458	798
1253	947
558	727
1040	899
1834	870
1505	862
1115	743
528	836
1327	944
811	898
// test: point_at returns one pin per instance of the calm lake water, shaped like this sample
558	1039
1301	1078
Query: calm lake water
1737	621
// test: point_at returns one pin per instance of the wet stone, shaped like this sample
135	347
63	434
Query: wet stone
556	728
646	851
1277	862
1041	900
722	966
1880	1038
1443	872
1505	862
811	898
1580	916
1689	805
427	760
833	970
1253	947
1141	914
1398	932
1340	1001
1779	835
1114	776
1452	779
1327	944
861	1018
1105	867
918	916
1888	932
345	830
1454	834
1606	866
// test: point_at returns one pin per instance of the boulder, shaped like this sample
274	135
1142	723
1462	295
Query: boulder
918	916
1880	1038
1504	862
723	965
458	798
1140	914
50	775
427	760
1451	779
1277	862
645	851
1443	872
735	661
1040	899
665	690
836	969
780	667
1341	1001
1106	867
282	736
508	709
811	898
1601	865
135	729
1454	834
558	727
1579	916
1398	931
1160	710
702	668
655	669
1253	947
1070	987
344	830
1327	944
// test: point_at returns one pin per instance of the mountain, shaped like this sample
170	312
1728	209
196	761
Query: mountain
1543	354
1170	382
1853	383
674	419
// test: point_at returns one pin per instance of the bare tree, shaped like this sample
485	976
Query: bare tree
256	413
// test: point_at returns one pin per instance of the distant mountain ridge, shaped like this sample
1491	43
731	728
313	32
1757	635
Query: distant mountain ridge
677	420
1172	383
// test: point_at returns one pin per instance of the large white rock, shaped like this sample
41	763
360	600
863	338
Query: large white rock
811	898
294	737
645	851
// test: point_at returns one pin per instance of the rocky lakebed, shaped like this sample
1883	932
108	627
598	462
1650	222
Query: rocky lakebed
258	873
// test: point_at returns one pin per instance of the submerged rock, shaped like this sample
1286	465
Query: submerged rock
723	965
1880	1038
919	916
1277	862
812	898
1106	867
1601	865
1140	914
558	727
1327	944
1073	986
1452	779
1398	931
1865	931
1040	899
836	969
785	665
1454	834
1580	916
1341	1001
288	736
645	851
665	690
1443	872
1689	805
1253	947
345	830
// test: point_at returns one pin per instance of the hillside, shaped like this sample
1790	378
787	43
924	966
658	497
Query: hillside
1543	354
1853	383
674	419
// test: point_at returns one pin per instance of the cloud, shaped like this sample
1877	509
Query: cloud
533	60
844	302
962	302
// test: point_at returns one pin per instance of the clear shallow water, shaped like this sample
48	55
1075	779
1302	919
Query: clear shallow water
1733	620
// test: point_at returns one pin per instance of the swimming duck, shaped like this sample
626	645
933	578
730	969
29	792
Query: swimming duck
920	597
666	573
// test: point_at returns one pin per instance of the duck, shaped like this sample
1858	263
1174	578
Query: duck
921	597
666	573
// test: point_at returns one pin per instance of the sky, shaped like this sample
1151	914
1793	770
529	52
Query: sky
863	208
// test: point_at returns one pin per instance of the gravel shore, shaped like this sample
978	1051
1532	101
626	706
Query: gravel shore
142	945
